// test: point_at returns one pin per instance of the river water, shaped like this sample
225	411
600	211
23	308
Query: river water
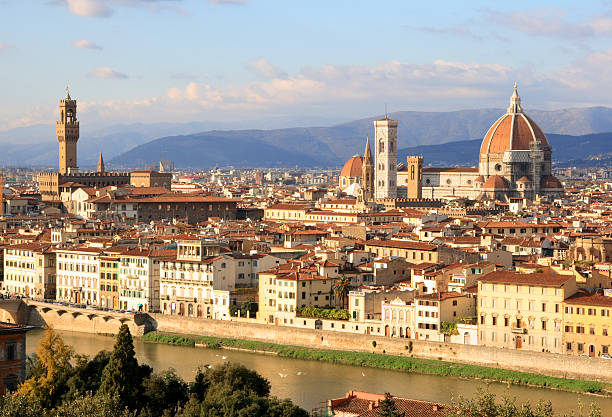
309	383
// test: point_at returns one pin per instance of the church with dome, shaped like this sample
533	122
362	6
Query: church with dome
514	161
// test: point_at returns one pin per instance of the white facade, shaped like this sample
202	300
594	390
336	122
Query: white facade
78	276
385	177
139	282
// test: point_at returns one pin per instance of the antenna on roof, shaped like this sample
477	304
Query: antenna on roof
386	111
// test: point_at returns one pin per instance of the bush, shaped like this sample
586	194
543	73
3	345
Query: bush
323	313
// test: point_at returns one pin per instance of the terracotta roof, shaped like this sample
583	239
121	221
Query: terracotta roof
512	132
496	182
540	279
590	299
523	179
401	244
363	404
352	167
549	181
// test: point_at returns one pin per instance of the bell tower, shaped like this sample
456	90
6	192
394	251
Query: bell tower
367	175
67	130
386	158
414	183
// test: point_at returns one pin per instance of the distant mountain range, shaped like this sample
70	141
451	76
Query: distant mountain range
133	146
567	150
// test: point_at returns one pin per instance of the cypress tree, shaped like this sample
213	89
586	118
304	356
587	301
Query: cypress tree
122	377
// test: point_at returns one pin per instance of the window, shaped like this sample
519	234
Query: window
494	321
543	324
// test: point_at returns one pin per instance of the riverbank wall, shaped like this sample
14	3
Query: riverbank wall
557	365
99	322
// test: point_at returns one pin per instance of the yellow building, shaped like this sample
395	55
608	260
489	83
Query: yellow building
282	290
523	311
109	282
587	326
415	252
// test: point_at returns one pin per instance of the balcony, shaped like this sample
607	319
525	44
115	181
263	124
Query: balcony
519	330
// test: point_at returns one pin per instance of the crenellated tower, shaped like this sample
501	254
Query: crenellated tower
67	130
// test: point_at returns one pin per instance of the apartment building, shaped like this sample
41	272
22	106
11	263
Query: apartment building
587	326
109	281
29	270
523	311
78	275
139	281
431	310
187	278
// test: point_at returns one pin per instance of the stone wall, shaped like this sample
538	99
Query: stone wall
537	362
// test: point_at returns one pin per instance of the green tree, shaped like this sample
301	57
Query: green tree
87	375
122	376
341	289
386	408
165	391
49	372
234	377
19	406
88	405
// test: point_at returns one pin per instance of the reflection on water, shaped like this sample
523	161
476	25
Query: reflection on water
308	383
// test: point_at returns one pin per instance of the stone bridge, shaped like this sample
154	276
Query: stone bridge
61	317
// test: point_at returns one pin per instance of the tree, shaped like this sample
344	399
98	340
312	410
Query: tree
341	289
49	372
93	406
234	377
386	408
19	406
87	375
122	376
165	391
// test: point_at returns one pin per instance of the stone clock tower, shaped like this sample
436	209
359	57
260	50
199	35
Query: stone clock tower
67	130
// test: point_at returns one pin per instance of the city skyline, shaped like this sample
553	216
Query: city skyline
229	61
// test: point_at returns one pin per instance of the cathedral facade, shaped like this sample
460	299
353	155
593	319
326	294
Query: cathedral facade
514	161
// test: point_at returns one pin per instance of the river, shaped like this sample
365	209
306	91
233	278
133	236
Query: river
308	383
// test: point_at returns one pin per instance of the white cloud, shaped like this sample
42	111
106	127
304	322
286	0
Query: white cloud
89	8
106	72
104	8
553	22
85	44
347	92
262	67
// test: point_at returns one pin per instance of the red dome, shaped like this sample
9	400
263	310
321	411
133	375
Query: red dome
353	167
514	131
523	179
496	182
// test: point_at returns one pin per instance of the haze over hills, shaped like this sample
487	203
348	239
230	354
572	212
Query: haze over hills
138	144
567	150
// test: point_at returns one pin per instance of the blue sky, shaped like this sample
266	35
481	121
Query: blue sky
296	62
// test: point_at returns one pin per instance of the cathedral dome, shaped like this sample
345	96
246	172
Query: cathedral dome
514	131
353	167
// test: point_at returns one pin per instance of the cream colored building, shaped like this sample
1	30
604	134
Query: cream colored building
523	311
78	275
139	286
29	270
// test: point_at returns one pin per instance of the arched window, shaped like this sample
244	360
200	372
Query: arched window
381	145
412	172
